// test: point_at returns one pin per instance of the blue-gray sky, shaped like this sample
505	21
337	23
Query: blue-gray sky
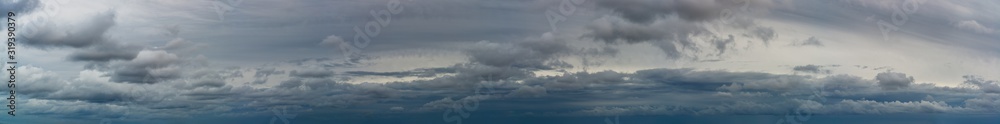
507	61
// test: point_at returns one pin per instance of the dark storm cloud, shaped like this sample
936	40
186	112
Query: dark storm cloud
92	30
676	25
314	73
645	11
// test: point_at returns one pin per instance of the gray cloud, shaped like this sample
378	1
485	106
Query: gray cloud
147	67
764	33
666	34
19	6
972	25
312	73
990	86
425	72
723	44
92	30
816	69
106	52
315	87
812	41
645	11
893	80
533	53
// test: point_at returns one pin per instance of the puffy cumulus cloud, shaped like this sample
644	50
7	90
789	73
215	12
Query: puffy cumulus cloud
988	86
984	103
91	31
146	65
38	81
532	53
893	80
973	25
846	84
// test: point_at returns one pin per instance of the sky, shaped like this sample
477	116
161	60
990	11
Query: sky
506	61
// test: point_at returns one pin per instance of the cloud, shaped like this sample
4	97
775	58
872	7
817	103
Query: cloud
311	73
846	84
985	103
645	11
19	6
521	75
816	69
893	80
527	91
533	53
764	33
424	72
666	34
893	107
147	67
812	41
677	26
991	86
106	52
92	30
972	25
723	44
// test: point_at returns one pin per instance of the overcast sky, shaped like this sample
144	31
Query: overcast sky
507	61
